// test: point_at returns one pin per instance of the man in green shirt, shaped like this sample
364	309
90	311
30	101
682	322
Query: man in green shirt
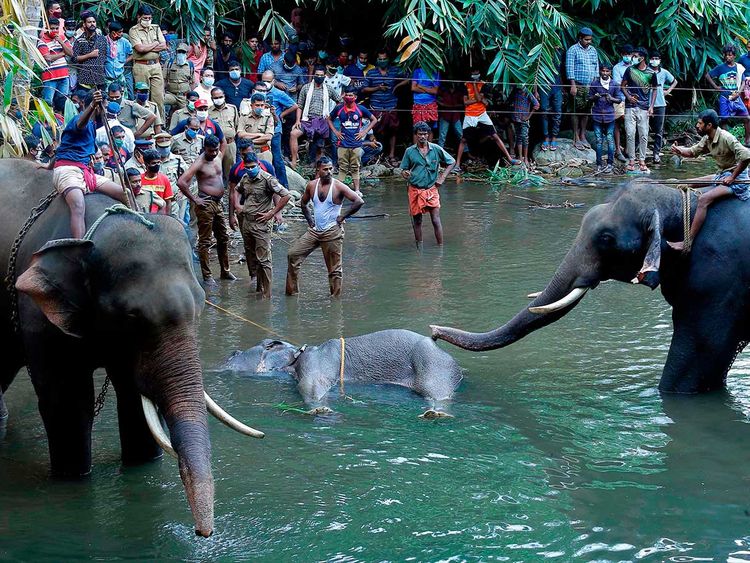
420	167
731	156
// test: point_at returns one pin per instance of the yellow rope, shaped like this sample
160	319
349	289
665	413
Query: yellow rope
248	321
687	239
341	369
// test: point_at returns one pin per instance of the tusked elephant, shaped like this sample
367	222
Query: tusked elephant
395	357
126	300
626	240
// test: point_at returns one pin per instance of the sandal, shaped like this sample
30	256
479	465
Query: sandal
630	167
553	146
545	145
644	168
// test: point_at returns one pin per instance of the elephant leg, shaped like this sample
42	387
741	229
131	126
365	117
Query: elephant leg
65	389
136	442
3	410
702	350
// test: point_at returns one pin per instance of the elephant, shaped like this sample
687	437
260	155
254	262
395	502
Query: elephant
625	239
396	357
125	298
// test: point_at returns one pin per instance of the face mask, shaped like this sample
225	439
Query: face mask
322	55
349	101
319	79
234	74
627	59
268	84
190	133
202	115
361	65
191	106
169	37
382	63
636	60
57	14
153	168
145	24
476	76
70	33
208	81
119	143
164	152
253	172
218	102
181	58
655	62
98	168
141	97
258	111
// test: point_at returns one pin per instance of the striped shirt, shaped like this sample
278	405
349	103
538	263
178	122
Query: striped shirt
582	65
56	69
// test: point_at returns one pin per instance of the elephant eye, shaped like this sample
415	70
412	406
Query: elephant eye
607	238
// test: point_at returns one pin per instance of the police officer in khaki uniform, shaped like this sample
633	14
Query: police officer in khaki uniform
187	111
135	117
189	143
141	97
179	79
173	166
227	116
148	41
136	161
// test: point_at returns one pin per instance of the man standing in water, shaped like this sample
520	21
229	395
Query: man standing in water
326	230
732	158
420	167
208	210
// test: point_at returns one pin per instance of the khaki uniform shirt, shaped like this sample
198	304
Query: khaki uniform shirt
140	36
725	148
258	193
178	79
132	112
112	176
154	109
188	150
174	167
178	116
228	119
262	124
133	163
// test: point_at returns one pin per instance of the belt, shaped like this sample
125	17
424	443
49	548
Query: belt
229	139
153	62
216	198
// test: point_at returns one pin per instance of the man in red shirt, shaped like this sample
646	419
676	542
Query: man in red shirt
154	181
54	49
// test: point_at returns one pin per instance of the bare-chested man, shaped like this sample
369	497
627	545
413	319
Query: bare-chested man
207	171
326	228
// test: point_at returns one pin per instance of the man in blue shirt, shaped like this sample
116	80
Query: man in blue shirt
120	53
292	78
352	134
581	67
281	105
382	82
273	60
730	104
236	88
357	71
72	176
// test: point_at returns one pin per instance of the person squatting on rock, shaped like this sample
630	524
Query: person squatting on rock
326	228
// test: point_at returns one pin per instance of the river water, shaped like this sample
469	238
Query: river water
561	447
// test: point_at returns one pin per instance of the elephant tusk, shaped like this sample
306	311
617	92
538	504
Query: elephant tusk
229	420
154	425
534	295
569	299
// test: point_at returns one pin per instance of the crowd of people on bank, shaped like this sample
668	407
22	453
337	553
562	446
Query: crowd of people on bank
180	122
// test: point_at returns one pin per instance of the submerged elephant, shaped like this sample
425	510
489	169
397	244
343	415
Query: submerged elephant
126	300
396	357
626	240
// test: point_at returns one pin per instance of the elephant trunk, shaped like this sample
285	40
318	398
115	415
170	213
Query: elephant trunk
170	375
557	299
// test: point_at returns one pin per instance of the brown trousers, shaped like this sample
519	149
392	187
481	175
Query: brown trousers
331	242
257	240
211	222
151	75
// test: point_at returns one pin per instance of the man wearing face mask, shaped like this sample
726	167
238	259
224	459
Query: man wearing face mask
258	127
639	87
292	77
284	110
98	166
663	78
131	113
228	118
273	60
153	180
148	41
141	98
206	84
119	155
627	53
189	143
235	87
53	49
350	137
357	70
33	147
312	115
119	54
187	111
136	161
173	166
256	200
382	83
207	125
113	111
179	79
54	11
90	54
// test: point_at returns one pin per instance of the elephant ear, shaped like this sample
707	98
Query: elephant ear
649	272
56	281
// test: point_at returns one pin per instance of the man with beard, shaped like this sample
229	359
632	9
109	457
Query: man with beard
208	210
90	55
273	60
326	229
224	56
420	168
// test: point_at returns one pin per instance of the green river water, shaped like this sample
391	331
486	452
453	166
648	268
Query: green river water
561	447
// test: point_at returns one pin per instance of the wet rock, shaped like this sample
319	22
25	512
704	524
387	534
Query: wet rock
564	153
376	171
296	182
569	172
